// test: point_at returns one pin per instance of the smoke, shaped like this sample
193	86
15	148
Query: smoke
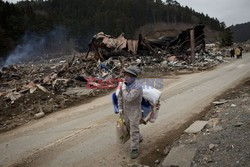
35	46
31	44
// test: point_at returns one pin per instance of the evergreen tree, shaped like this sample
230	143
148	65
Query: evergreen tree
226	38
241	32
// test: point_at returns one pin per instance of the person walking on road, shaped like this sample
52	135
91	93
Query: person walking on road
237	52
232	53
129	101
241	50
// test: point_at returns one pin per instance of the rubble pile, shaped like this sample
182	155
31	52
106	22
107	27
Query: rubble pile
105	46
164	54
35	89
30	89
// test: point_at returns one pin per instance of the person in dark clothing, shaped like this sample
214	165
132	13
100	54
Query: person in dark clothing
241	50
232	53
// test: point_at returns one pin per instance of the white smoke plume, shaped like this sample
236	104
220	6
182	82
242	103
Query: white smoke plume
33	45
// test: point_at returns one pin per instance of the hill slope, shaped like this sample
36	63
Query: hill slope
83	18
241	32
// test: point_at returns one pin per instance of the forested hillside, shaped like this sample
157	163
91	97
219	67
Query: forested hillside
83	18
241	32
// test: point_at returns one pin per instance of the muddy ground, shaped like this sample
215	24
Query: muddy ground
225	139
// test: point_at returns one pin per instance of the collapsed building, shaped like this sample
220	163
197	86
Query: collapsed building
105	46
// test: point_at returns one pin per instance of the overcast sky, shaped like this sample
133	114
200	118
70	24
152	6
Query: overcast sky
229	11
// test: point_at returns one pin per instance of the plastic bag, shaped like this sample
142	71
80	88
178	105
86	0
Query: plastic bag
153	116
122	130
151	94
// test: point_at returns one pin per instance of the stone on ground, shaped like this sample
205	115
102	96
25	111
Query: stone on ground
181	156
213	122
196	127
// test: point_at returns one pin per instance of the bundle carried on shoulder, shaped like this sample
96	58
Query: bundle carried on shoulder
153	96
150	102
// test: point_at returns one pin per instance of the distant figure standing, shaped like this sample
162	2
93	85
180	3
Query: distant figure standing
241	50
237	52
232	53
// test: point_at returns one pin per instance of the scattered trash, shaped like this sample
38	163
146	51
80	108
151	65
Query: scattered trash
212	123
238	124
39	115
157	161
42	88
219	102
212	146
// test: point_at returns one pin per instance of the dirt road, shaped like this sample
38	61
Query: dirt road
85	135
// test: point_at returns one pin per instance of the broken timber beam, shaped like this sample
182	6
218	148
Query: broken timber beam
192	45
